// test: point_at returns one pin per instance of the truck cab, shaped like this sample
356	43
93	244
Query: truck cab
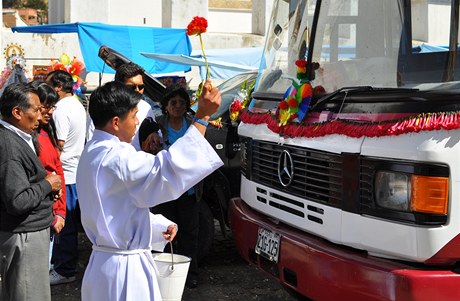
358	198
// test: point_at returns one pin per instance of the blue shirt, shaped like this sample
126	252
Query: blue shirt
173	135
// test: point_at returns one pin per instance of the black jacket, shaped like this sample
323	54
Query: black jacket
26	199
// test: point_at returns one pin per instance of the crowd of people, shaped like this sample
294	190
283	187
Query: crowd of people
131	181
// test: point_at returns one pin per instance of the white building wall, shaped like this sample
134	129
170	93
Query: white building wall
49	45
161	13
431	22
178	13
39	49
89	11
438	32
420	19
216	23
140	13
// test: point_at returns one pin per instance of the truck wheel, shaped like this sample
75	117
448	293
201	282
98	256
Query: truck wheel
206	231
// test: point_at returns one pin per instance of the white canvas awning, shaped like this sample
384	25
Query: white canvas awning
223	63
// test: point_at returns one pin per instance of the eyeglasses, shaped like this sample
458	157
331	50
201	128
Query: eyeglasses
174	102
139	87
48	107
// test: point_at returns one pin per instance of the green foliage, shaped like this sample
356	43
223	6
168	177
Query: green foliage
37	4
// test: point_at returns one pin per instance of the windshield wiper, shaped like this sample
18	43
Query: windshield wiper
357	89
341	90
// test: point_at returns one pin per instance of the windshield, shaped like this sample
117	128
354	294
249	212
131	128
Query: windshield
378	43
287	36
229	90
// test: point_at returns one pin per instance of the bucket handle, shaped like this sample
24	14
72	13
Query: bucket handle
172	256
158	271
171	268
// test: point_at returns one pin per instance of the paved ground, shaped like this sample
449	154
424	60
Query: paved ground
224	275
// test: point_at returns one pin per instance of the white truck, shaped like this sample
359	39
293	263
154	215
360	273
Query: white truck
359	200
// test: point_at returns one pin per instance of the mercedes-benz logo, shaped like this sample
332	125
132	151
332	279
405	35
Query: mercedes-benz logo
285	168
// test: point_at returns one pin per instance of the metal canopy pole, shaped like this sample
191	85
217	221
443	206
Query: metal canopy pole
453	42
311	72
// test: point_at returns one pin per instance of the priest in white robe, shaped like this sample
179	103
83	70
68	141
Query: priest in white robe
117	185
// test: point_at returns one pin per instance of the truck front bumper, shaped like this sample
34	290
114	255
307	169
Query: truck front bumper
322	270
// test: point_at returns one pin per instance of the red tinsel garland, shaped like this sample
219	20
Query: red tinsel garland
413	124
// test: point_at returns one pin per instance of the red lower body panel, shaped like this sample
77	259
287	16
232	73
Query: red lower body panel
322	270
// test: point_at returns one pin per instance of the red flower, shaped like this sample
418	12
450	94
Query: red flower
284	105
76	67
59	66
236	106
197	26
292	102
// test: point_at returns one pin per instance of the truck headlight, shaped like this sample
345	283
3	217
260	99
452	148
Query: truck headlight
411	193
393	190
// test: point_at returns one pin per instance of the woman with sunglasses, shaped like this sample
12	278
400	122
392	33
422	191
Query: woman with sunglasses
48	151
174	122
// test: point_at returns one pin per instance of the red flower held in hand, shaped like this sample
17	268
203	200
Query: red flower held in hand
197	26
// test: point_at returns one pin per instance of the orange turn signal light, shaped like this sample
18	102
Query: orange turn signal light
429	194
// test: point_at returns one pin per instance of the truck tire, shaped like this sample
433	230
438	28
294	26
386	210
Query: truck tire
205	232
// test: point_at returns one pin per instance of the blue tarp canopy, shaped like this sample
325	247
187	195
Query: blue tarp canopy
249	57
427	48
127	40
223	63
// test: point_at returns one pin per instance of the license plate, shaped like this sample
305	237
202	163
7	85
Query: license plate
268	244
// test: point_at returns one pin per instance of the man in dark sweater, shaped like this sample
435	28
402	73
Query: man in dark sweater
27	194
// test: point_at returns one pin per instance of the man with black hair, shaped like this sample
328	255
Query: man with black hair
70	120
117	185
131	75
27	195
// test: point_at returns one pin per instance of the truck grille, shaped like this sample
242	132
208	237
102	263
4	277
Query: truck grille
344	181
367	185
317	175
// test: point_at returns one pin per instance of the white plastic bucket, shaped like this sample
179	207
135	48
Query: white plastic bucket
171	271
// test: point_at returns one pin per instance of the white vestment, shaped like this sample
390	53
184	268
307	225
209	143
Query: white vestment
116	187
